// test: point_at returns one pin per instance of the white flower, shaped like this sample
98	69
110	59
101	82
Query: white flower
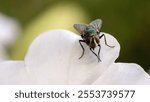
53	59
9	30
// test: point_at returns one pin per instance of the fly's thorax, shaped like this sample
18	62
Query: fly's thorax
90	30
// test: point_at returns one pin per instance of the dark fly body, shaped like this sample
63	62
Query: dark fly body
90	34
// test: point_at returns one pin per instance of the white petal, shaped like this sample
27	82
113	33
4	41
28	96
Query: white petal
48	57
13	72
124	73
53	58
88	69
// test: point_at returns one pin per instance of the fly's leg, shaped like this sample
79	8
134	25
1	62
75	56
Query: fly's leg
95	55
105	41
99	52
82	47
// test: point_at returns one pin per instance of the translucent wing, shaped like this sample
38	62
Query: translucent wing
96	24
80	28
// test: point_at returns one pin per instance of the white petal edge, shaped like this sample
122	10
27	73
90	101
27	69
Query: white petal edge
124	74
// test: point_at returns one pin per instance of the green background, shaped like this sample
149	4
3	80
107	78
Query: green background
127	20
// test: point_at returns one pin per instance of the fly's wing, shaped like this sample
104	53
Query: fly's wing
96	24
80	28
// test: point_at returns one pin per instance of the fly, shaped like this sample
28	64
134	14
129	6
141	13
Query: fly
90	34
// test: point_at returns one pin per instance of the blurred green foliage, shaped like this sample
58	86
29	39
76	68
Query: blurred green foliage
127	20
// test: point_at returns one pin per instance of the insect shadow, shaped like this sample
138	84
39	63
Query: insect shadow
90	34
